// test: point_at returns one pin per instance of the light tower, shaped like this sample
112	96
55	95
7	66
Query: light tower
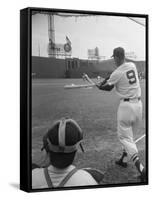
51	35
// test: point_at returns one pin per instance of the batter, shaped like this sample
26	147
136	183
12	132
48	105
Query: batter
126	82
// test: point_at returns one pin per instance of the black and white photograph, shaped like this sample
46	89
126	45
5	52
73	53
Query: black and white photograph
88	99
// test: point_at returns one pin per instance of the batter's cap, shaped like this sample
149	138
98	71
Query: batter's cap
119	52
64	136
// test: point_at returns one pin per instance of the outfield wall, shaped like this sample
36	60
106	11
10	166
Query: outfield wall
43	67
48	67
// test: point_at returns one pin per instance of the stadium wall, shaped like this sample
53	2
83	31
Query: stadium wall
48	67
43	67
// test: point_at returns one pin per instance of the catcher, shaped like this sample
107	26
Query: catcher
61	144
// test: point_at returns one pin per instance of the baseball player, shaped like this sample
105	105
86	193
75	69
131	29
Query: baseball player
126	82
61	144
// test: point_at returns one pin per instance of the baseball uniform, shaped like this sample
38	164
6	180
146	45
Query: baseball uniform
79	178
129	115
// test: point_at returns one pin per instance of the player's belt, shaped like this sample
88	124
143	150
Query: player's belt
129	99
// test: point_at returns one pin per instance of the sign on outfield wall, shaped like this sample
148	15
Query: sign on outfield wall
59	49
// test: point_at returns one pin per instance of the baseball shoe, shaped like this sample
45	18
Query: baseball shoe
121	163
142	176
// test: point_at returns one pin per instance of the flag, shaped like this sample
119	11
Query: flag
67	40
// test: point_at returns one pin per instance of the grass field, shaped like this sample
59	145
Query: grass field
95	111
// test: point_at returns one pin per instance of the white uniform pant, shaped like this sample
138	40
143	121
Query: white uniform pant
129	117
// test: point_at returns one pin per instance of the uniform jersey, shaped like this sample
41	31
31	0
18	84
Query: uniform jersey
80	178
126	81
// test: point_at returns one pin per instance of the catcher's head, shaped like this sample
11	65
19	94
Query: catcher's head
118	55
63	137
61	142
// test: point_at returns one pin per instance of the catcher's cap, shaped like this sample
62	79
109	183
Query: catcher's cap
118	52
64	136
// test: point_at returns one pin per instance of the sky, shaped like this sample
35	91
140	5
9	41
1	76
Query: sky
104	32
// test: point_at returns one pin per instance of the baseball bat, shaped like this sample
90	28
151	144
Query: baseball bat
88	79
92	82
73	86
138	139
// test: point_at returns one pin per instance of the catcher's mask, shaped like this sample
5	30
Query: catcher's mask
64	137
